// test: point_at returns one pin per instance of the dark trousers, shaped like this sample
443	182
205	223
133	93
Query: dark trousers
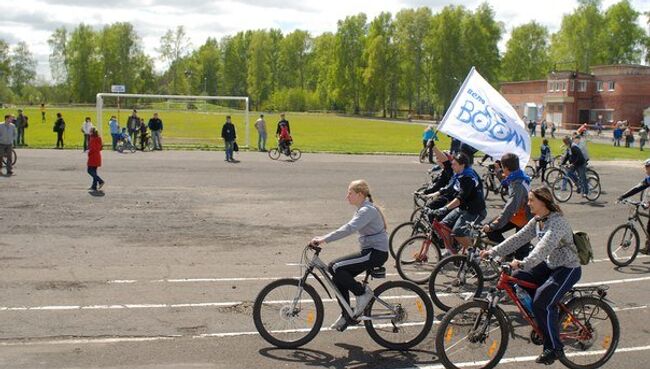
115	137
344	270
6	152
553	284
429	150
59	139
20	137
96	179
497	236
542	168
86	141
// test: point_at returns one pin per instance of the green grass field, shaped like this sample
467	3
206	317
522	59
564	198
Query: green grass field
311	132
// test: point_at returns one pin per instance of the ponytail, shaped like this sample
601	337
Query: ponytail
361	186
379	209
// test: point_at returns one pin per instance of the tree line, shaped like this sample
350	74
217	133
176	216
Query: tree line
413	61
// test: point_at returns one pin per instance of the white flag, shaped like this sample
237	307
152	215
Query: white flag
479	116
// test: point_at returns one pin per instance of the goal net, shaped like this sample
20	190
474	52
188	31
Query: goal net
188	121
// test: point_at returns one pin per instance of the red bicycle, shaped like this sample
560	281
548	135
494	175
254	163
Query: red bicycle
477	332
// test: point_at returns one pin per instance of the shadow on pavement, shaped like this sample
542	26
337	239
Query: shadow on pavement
634	269
356	358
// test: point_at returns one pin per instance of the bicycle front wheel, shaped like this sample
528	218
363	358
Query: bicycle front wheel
470	333
454	281
416	258
590	333
401	233
530	171
562	189
402	315
288	315
552	174
623	245
295	154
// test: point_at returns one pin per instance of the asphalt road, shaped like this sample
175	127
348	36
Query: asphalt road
161	272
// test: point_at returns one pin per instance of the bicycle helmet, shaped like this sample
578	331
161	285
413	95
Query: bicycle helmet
646	163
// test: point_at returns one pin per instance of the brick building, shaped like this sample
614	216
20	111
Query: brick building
610	92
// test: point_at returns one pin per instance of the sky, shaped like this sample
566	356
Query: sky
33	21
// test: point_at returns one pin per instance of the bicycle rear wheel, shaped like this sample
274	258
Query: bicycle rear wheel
562	189
530	171
401	233
411	268
623	245
552	174
467	335
274	154
590	334
412	313
593	185
454	281
286	315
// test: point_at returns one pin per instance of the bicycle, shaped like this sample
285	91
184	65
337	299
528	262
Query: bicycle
418	256
623	252
424	153
14	158
292	153
477	331
562	187
418	224
492	182
458	278
288	313
534	171
558	171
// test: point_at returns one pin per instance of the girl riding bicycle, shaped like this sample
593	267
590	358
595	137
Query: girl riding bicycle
553	265
370	223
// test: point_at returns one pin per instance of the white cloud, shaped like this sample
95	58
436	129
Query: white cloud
34	20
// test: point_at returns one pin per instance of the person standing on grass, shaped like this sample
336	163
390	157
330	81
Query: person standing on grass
42	113
59	128
155	127
543	127
629	137
7	136
229	135
95	159
115	131
618	134
21	125
553	129
143	134
260	125
132	124
86	129
643	137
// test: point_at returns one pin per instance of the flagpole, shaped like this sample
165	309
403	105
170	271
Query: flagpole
453	102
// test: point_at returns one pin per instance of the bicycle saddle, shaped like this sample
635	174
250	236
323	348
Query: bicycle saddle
377	272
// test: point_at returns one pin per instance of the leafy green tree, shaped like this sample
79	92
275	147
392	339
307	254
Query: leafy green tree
322	70
23	67
83	69
579	41
380	75
58	43
121	53
235	64
208	59
624	38
295	49
174	46
259	71
527	53
481	36
350	38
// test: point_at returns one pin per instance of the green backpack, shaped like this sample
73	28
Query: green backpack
585	253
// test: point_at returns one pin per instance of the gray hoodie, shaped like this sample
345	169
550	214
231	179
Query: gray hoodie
369	223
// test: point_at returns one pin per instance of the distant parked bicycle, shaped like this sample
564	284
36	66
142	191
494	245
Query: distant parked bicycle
623	243
492	182
288	313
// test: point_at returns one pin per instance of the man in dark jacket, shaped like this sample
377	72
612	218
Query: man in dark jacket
515	213
577	164
229	135
21	125
155	127
282	121
132	125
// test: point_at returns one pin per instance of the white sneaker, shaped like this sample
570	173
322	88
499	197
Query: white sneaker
340	324
362	302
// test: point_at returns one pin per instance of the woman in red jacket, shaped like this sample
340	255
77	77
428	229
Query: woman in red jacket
95	159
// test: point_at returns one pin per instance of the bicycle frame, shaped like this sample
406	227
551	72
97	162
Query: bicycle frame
637	215
328	285
505	284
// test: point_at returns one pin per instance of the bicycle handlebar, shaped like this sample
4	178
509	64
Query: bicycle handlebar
633	203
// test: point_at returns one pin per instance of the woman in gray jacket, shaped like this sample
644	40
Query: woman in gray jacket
553	265
370	223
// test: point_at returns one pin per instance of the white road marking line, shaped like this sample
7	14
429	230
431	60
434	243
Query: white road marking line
234	303
251	279
91	340
520	359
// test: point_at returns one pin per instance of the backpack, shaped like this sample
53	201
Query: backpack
583	245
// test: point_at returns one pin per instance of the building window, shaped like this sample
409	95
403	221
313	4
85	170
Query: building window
599	86
611	85
582	86
573	85
556	86
550	86
563	83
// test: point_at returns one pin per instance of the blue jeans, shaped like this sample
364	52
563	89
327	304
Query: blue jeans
261	141
553	284
96	179
115	137
229	150
580	179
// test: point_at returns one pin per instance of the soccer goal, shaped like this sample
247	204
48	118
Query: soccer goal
187	120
